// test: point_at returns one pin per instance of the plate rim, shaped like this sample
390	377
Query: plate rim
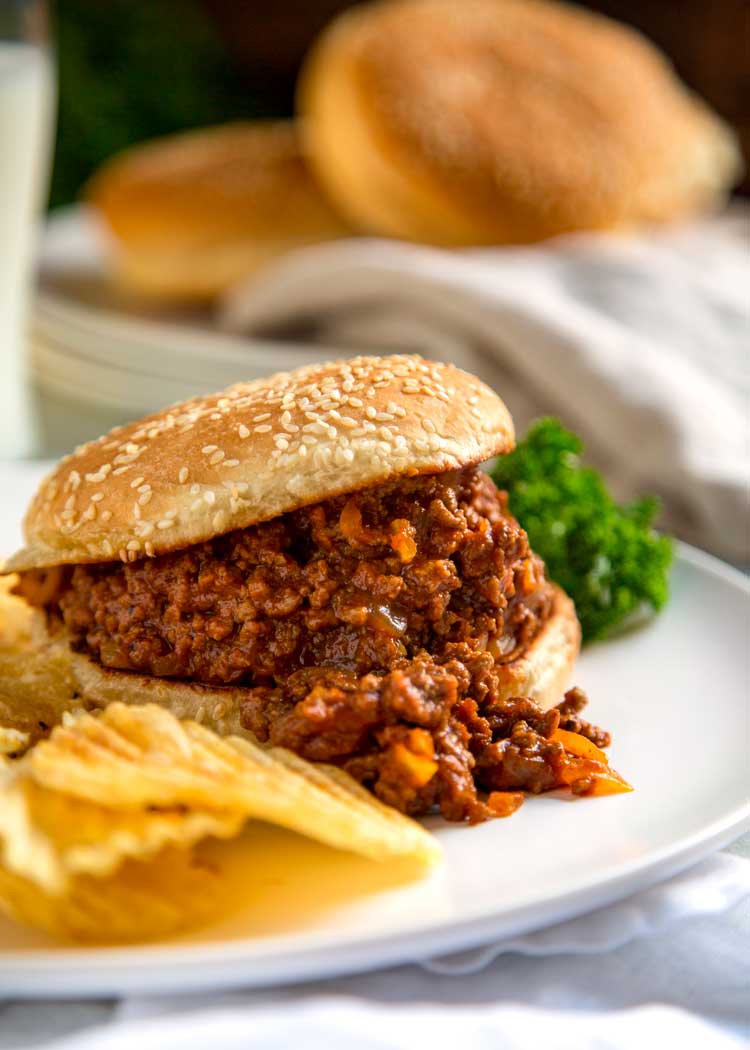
175	967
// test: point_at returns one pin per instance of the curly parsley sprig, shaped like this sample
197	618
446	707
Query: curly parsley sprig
607	556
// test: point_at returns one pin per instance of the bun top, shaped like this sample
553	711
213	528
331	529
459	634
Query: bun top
487	121
225	461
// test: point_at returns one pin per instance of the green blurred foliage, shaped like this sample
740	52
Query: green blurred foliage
135	69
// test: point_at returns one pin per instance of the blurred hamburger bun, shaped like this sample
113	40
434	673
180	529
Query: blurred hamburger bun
500	121
192	213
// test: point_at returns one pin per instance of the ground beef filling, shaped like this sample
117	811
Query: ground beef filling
367	631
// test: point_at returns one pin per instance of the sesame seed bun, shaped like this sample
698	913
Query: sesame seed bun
192	213
543	673
489	122
217	463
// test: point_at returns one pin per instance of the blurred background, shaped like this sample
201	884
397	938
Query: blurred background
136	69
599	213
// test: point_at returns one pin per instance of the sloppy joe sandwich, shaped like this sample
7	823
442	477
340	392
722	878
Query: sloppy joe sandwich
317	560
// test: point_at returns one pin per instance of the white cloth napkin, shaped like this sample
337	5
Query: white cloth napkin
640	343
341	1024
670	964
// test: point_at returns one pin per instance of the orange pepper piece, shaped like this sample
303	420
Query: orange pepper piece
607	781
579	745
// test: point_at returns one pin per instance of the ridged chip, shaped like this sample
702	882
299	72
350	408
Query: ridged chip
131	757
36	677
13	741
143	900
102	825
49	836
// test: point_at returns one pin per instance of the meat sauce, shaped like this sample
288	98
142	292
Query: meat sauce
367	631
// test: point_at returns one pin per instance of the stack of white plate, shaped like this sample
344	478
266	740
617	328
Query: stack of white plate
100	359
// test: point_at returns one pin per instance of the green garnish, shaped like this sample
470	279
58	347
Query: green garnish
606	555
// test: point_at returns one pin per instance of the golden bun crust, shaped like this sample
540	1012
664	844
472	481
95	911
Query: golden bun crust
496	121
545	670
543	673
192	213
229	460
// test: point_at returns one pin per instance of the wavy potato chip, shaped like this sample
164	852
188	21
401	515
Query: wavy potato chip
143	900
102	825
48	836
84	872
37	684
130	757
13	741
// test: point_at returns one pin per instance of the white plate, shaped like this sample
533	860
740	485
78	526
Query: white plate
674	694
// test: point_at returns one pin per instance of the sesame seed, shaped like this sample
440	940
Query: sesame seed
133	545
136	482
216	457
219	519
144	498
208	449
106	515
183	475
121	470
150	549
243	431
209	498
165	523
97	497
136	511
264	428
231	462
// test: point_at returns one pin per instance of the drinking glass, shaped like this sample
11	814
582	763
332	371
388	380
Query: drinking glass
27	97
